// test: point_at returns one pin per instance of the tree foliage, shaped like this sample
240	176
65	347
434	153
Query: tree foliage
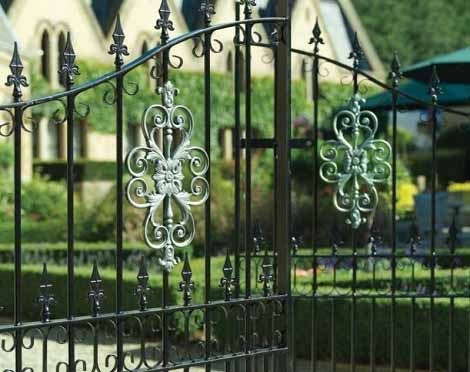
415	29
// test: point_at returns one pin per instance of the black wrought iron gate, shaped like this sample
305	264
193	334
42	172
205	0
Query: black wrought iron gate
275	306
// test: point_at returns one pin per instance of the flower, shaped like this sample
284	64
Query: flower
356	161
168	176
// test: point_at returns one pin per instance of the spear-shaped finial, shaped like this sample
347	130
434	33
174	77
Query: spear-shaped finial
453	237
164	23
69	68
316	38
118	47
414	240
227	281
16	78
96	292
434	85
46	299
266	276
208	10
249	5
186	285
142	288
357	54
258	237
395	71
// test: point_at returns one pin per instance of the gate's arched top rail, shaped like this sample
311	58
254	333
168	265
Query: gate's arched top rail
128	67
390	88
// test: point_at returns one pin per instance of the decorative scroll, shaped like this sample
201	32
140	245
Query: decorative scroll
168	130
355	161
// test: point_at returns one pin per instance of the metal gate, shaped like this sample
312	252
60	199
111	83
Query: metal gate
276	306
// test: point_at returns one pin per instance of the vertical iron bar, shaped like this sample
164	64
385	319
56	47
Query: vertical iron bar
70	228
237	214
17	80
165	25
18	263
119	216
121	49
283	175
69	69
315	97
248	29
395	75
207	140
333	334
237	240
451	335
372	336
412	335
356	54
434	91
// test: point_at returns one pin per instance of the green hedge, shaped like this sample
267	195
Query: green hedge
85	253
302	327
35	231
85	170
303	315
451	165
31	277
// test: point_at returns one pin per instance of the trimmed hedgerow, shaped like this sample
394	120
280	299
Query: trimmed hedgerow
32	274
378	316
84	170
85	253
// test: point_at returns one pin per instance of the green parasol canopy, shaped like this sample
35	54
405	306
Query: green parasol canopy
452	67
452	95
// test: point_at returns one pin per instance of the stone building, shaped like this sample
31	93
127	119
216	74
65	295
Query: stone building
41	26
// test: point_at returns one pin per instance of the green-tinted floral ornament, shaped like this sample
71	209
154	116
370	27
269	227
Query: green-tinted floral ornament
355	161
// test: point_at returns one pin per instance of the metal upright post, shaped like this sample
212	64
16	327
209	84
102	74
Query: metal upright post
282	134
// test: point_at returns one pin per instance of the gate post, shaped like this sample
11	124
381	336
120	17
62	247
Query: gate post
282	134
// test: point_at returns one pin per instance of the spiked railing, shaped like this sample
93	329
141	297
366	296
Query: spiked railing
118	48
266	277
69	69
186	285
248	7
395	71
317	38
142	289
96	292
164	23
208	10
414	240
434	85
259	240
46	298
227	282
16	78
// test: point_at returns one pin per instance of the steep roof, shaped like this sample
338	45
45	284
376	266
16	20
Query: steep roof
191	14
5	4
105	12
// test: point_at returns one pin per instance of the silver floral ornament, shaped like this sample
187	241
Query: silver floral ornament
355	161
158	176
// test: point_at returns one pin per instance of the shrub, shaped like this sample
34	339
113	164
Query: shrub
84	170
43	199
6	155
303	319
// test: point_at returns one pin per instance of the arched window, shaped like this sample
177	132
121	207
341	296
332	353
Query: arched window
304	69
145	47
242	76
46	56
60	49
229	62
